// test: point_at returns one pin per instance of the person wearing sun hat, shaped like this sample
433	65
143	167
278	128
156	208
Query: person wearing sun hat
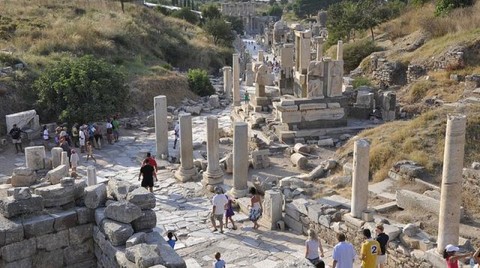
450	254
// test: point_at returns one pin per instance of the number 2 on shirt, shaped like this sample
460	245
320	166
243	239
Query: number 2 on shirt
374	249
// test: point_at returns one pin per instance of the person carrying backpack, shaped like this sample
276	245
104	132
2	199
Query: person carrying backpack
16	134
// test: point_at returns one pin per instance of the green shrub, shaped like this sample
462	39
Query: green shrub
186	14
361	81
199	83
81	90
167	66
354	53
444	6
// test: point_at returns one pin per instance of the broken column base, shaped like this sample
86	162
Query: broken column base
260	104
237	193
212	179
185	175
434	258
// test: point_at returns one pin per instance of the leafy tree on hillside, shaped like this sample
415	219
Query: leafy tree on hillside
275	10
221	31
81	90
186	14
303	8
236	24
199	83
210	12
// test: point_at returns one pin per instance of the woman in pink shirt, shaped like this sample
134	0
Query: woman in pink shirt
451	256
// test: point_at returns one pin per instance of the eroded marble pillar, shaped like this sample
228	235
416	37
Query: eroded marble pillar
272	209
340	50
186	171
35	157
161	125
319	41
236	83
214	174
240	159
64	159
227	81
56	156
451	191
360	178
91	176
260	56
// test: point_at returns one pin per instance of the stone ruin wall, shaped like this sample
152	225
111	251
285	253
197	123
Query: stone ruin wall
52	220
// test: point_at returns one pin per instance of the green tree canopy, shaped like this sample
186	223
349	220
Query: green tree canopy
445	6
303	8
210	12
221	31
186	14
236	24
81	90
275	10
199	83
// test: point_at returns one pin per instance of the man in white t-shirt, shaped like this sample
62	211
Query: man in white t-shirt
219	201
343	253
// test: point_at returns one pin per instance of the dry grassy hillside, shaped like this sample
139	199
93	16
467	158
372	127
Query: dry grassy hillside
142	41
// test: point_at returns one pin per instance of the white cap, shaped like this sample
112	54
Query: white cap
451	248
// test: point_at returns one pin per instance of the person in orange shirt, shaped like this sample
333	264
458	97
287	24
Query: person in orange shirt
370	250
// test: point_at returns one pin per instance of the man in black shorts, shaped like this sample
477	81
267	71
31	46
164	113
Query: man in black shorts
148	172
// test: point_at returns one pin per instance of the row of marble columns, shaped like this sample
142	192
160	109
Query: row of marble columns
451	188
214	174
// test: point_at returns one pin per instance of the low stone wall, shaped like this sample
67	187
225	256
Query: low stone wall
329	219
54	239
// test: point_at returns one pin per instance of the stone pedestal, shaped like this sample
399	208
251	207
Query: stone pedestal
360	178
56	156
186	171
227	81
451	193
34	157
161	125
236	83
272	209
65	160
240	159
91	176
214	174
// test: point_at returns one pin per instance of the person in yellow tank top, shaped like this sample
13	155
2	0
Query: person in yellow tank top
370	250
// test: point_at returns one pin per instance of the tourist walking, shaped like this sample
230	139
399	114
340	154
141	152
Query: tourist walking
219	263
74	158
451	256
75	135
45	137
255	207
97	135
312	246
219	202
170	241
90	151
148	173
229	213
82	139
343	253
369	251
152	161
177	134
109	128
382	239
16	135
65	147
115	128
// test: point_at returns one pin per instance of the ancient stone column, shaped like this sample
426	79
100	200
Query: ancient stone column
91	176
214	174
340	50
272	209
56	156
35	157
240	159
236	77
64	159
161	125
249	75
451	193
360	178
260	56
186	171
319	41
227	81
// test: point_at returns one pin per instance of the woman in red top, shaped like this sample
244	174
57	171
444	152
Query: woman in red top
449	254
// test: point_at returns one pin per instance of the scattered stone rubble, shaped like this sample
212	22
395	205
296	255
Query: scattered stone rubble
59	221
